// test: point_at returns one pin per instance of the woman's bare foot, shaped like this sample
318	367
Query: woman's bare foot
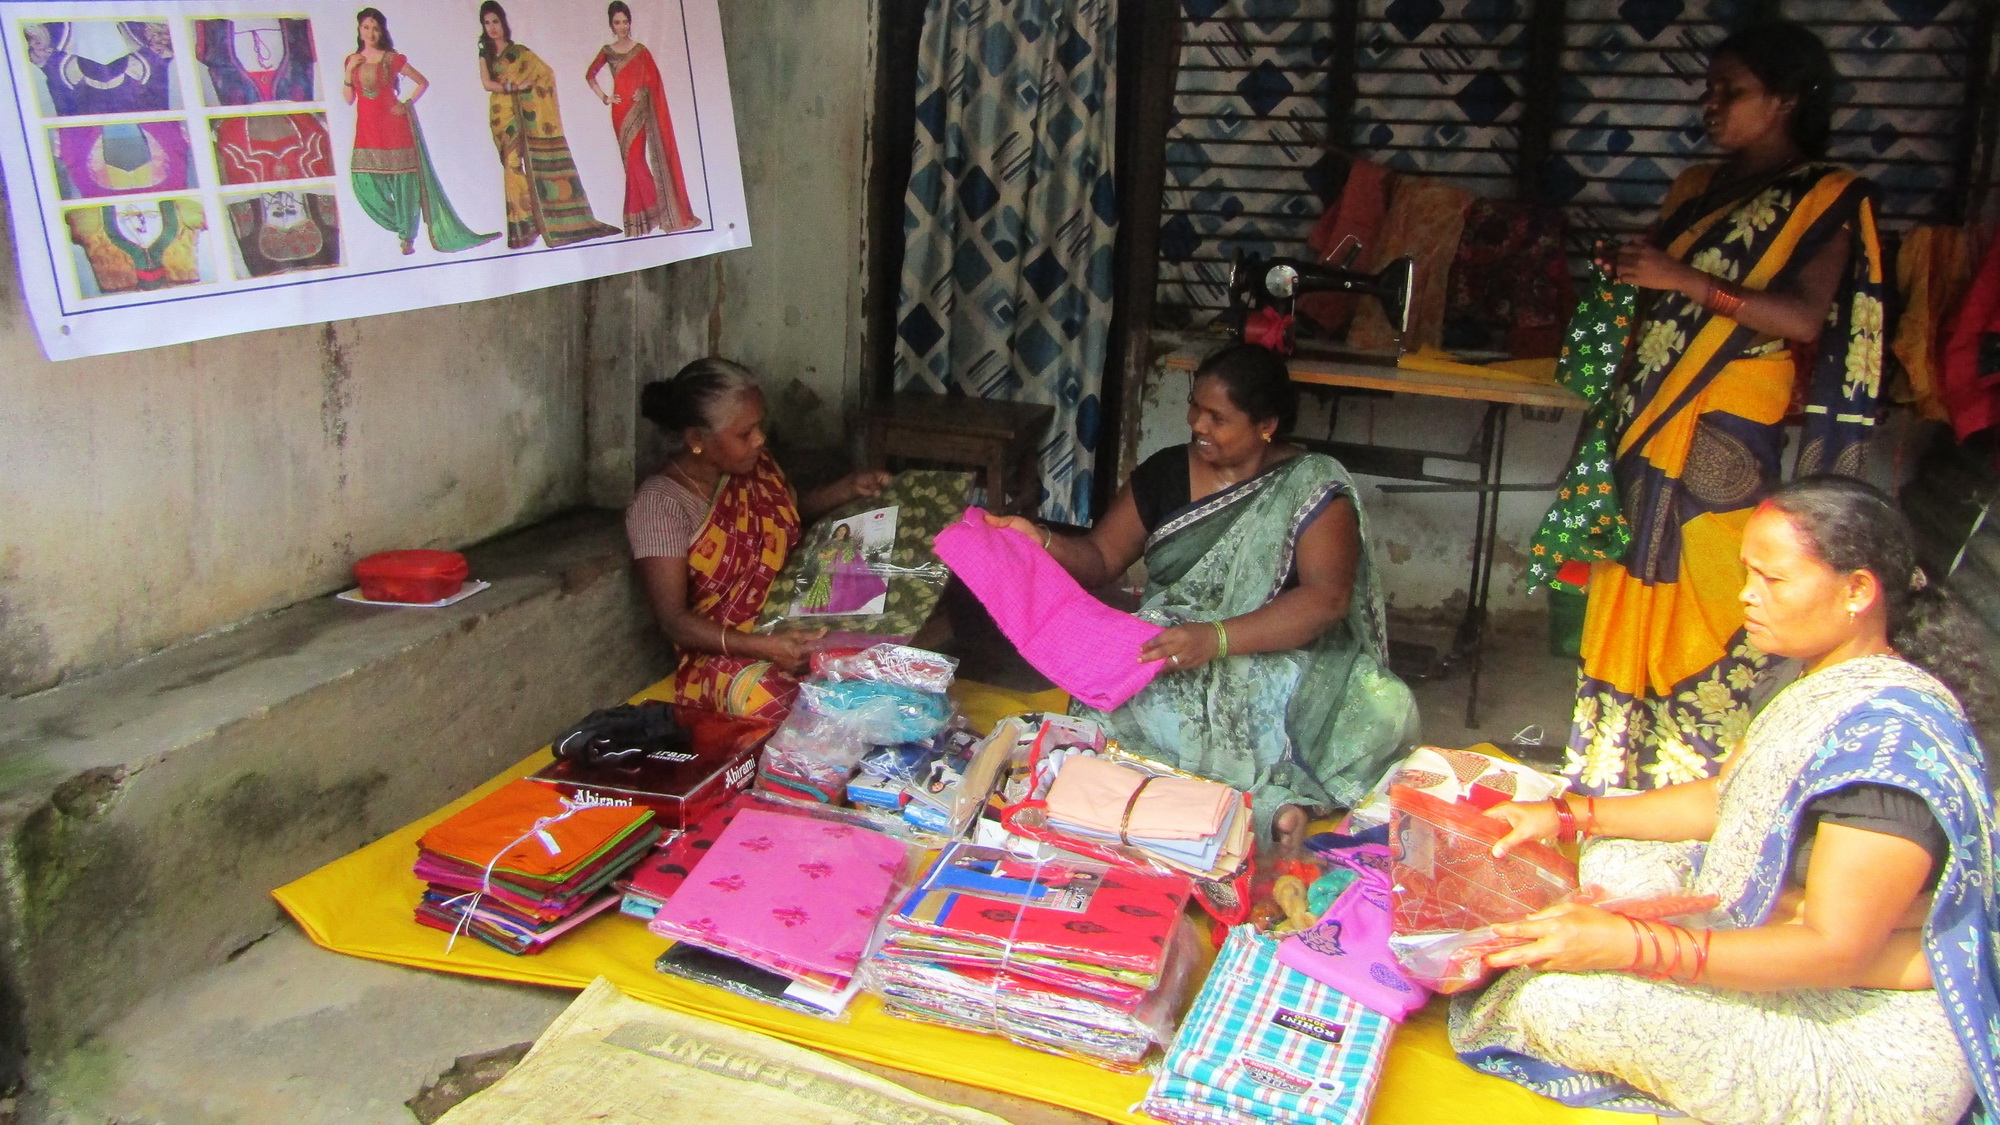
1288	829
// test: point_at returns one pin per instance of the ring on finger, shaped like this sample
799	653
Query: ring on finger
1175	660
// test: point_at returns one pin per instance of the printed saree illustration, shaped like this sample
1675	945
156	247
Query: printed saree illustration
843	582
135	247
251	61
94	161
269	147
545	197
393	177
283	232
104	66
655	188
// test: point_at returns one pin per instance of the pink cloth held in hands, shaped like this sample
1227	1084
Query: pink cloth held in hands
1087	648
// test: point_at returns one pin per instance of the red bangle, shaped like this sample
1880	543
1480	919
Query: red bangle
1638	945
1722	299
1659	955
1565	820
1590	816
1701	955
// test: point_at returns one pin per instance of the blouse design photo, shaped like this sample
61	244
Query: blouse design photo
253	61
94	161
283	232
137	247
102	66
269	147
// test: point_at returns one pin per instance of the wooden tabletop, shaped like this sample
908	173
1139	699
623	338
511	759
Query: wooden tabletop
1380	375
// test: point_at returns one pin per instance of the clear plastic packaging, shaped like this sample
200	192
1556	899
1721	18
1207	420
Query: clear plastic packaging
1447	881
812	755
883	713
1453	961
1027	814
795	860
1065	954
914	668
1450	775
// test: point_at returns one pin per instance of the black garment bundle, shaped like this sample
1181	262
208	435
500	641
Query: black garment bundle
626	737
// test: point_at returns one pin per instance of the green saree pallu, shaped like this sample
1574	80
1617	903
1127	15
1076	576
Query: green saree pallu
1312	726
398	198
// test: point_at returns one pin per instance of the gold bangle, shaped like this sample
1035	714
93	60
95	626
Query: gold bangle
725	640
1221	640
1048	538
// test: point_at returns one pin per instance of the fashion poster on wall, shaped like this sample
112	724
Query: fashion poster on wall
183	169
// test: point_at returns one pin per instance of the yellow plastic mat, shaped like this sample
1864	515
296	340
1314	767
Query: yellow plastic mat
362	905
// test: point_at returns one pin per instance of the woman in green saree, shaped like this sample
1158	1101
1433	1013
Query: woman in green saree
1277	678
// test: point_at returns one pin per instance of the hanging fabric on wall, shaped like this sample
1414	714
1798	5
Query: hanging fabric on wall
1425	219
1933	269
1009	220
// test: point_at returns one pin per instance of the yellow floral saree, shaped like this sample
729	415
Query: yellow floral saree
1664	693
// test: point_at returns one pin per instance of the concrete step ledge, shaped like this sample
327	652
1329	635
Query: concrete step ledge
147	812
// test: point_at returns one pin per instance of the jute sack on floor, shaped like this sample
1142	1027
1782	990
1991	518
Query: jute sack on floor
612	1059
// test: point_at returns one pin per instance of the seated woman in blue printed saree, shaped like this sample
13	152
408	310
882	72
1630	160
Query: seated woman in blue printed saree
1277	678
1849	973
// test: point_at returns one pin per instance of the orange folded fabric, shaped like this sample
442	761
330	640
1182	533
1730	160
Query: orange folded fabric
480	830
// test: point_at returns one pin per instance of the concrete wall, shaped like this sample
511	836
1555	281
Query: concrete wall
158	495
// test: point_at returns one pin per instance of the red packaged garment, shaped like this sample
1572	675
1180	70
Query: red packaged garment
681	788
411	576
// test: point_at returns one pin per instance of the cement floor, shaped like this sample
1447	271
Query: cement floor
289	1033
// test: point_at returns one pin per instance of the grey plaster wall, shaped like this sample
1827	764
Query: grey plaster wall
158	495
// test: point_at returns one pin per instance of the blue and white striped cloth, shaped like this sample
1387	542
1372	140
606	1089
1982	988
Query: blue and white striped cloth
1266	1043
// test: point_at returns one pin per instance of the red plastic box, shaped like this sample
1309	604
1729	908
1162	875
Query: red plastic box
411	576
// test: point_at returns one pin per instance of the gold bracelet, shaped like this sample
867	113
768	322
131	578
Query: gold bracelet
1048	538
725	640
1221	640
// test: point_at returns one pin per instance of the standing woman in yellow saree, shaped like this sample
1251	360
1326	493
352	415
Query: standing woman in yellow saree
545	197
1768	250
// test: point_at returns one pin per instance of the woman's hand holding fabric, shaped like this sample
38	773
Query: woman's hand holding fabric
1015	523
1183	647
868	482
789	651
1649	267
1570	937
1529	820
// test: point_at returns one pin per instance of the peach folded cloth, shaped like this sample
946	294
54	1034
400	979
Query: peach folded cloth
1092	793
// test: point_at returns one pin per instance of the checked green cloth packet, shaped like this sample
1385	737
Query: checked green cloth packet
1586	523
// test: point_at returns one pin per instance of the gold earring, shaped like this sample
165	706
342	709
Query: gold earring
695	449
1267	439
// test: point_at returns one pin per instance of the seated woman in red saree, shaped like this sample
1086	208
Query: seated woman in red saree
709	533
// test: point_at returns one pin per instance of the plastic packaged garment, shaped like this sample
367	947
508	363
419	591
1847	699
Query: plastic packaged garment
1348	948
926	501
883	713
1264	1043
1454	962
790	892
1450	775
1087	648
1447	881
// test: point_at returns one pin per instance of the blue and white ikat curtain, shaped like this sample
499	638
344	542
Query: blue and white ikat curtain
1009	219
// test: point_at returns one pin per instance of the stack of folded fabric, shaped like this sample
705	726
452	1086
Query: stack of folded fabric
794	894
1064	955
1264	1043
1183	822
525	864
659	875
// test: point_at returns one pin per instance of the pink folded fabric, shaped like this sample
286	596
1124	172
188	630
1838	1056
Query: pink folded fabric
1087	648
792	894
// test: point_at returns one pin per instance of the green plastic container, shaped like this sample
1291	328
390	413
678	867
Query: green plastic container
1566	621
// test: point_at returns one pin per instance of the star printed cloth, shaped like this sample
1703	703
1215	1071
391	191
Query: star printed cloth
1586	523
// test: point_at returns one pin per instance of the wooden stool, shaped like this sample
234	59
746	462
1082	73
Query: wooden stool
1002	439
